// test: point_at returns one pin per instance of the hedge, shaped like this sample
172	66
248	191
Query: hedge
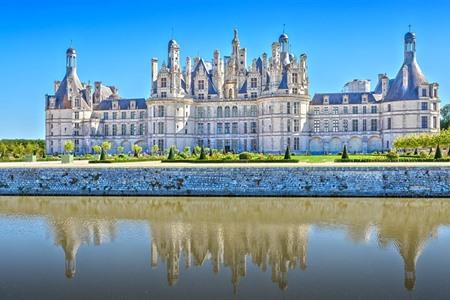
229	161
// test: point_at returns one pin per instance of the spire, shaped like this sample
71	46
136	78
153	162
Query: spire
235	43
410	45
71	60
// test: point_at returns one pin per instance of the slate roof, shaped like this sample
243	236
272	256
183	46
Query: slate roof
124	104
415	78
243	88
211	87
61	95
337	98
378	89
284	81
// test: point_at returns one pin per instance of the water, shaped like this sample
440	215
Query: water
223	248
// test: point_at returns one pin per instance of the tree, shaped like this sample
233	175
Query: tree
445	116
438	154
69	146
210	152
202	154
120	149
106	146
97	149
287	154
155	149
171	154
137	150
344	153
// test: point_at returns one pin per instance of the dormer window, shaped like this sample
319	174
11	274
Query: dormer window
294	78
345	99
132	104
326	100
163	82
424	92
201	85
253	83
114	105
364	98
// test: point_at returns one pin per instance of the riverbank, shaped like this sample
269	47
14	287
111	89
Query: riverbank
184	179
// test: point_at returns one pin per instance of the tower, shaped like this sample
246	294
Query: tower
71	60
410	46
173	56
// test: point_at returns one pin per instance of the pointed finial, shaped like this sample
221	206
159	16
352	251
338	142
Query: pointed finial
284	25
409	28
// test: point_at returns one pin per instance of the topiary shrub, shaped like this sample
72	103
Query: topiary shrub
171	155
245	155
416	152
344	153
438	153
202	154
423	154
287	154
392	155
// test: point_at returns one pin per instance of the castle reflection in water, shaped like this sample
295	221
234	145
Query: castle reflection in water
273	233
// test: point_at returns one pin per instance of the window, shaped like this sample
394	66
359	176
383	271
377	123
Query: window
200	129
141	115
201	84
434	122
288	126
234	111
345	109
160	111
253	95
326	126
77	115
364	109
253	83
227	128
435	93
114	129
316	125
141	129
253	111
354	109
114	115
325	110
373	125
288	108
133	115
335	125
234	128
424	92
316	110
296	107
364	125
124	129
208	128
335	110
201	96
389	123
200	112
227	112
219	112
105	116
294	91
163	82
253	127
161	145
163	95
296	125
373	109
424	122
354	125
296	143
434	106
245	128
345	125
106	129
424	106
133	129
219	128
389	107
160	127
294	78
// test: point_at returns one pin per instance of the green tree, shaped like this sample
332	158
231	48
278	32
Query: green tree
171	154
137	150
202	153
344	153
106	146
120	149
287	154
155	149
438	154
445	116
97	149
69	146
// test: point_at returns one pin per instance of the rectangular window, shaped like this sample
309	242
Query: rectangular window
345	109
114	115
201	96
296	107
389	123
326	126
106	129
373	109
163	94
161	145
253	127
208	128
316	125
114	129
345	125
253	83
288	126
389	107
234	128
199	128
163	82
219	128
364	125
354	109
424	105
77	115
133	115
141	115
105	116
364	109
354	125
253	110
201	84
288	108
245	128
141	129
373	125
434	122
316	110
253	95
294	91
133	129
227	128
424	122
434	106
296	125
124	129
294	78
335	110
124	115
424	92
160	111
160	127
296	143
335	125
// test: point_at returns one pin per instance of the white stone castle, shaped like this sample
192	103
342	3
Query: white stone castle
227	105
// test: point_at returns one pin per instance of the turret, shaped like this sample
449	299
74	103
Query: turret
410	46
235	43
173	56
71	61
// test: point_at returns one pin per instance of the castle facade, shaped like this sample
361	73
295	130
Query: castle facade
228	104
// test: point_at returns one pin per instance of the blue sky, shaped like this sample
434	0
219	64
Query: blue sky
115	41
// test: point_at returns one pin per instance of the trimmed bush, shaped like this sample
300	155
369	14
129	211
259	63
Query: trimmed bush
438	153
287	154
392	155
202	154
245	155
171	155
344	153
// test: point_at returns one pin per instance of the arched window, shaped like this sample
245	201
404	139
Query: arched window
227	112
219	112
234	111
230	94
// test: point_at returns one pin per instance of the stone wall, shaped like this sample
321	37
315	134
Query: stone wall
229	181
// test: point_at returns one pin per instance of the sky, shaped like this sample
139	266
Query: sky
115	41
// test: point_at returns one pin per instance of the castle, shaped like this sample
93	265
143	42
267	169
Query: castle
228	105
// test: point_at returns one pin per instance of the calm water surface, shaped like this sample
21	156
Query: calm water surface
224	248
